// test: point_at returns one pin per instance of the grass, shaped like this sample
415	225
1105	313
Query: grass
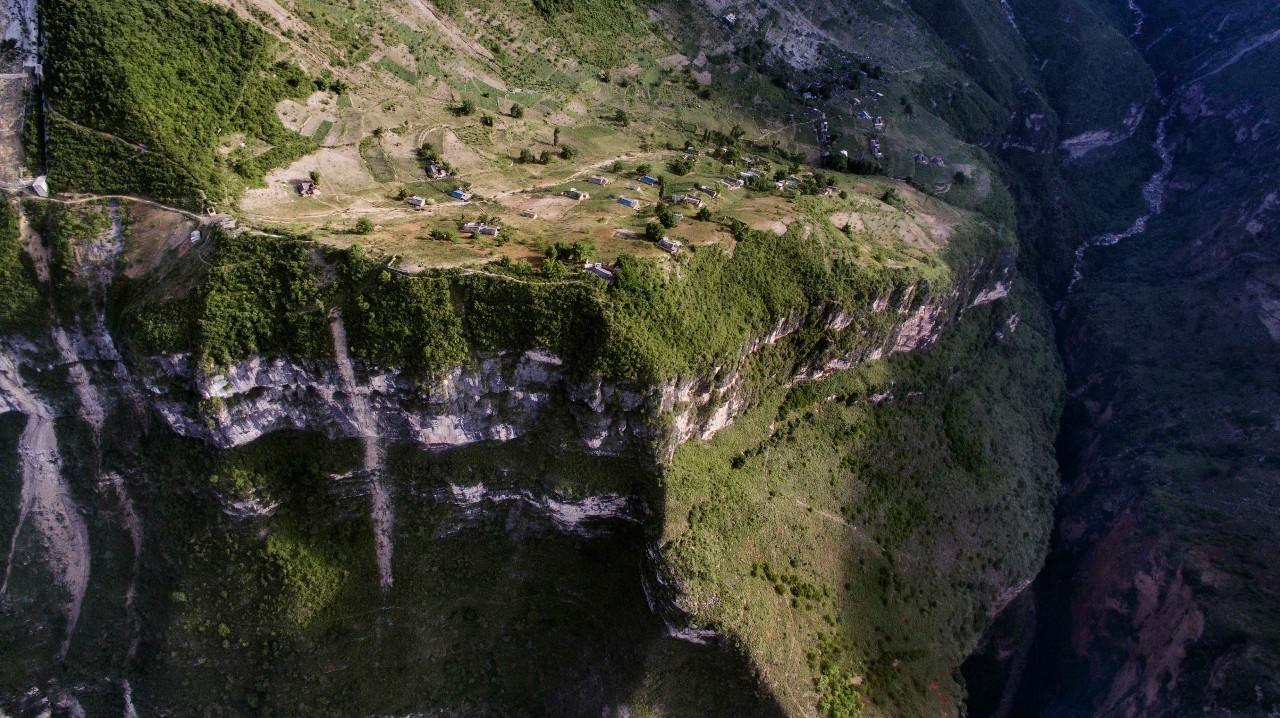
322	131
812	530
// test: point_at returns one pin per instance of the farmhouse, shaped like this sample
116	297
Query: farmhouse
649	180
672	246
599	270
576	194
417	202
460	194
597	179
627	201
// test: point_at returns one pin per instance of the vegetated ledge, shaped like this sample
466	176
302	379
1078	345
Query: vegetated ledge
503	395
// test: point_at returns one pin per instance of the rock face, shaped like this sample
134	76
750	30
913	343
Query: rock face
499	396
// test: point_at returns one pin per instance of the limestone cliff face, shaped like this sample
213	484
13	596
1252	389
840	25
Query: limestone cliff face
504	395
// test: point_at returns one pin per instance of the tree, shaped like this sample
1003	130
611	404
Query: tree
486	119
662	186
617	167
517	110
654	232
544	157
643	168
364	225
682	166
402	194
555	137
526	156
467	108
315	177
621	118
666	216
568	152
704	214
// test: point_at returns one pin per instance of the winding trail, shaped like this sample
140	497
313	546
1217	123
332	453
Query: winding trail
382	514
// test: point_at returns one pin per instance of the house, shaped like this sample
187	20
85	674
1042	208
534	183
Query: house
730	19
417	202
878	123
459	194
472	227
575	194
627	201
308	189
195	236
937	162
678	216
920	159
712	193
693	200
649	180
436	172
529	213
864	115
675	199
489	231
41	186
874	146
732	182
599	270
670	245
597	179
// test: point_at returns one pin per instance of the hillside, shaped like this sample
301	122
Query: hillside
330	451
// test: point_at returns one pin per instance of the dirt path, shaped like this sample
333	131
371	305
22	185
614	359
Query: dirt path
381	512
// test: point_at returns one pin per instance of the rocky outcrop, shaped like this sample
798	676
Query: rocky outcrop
499	396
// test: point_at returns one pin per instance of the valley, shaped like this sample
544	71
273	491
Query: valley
571	357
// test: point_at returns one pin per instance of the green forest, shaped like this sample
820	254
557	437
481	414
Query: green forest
141	91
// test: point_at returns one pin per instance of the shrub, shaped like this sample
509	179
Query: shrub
517	110
364	225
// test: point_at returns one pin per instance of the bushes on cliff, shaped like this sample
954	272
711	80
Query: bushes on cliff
19	294
261	296
393	320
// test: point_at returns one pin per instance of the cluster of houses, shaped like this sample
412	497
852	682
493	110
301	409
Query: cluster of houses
480	228
936	161
876	122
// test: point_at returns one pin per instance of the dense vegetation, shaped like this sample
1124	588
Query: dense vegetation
861	527
260	296
142	90
19	293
